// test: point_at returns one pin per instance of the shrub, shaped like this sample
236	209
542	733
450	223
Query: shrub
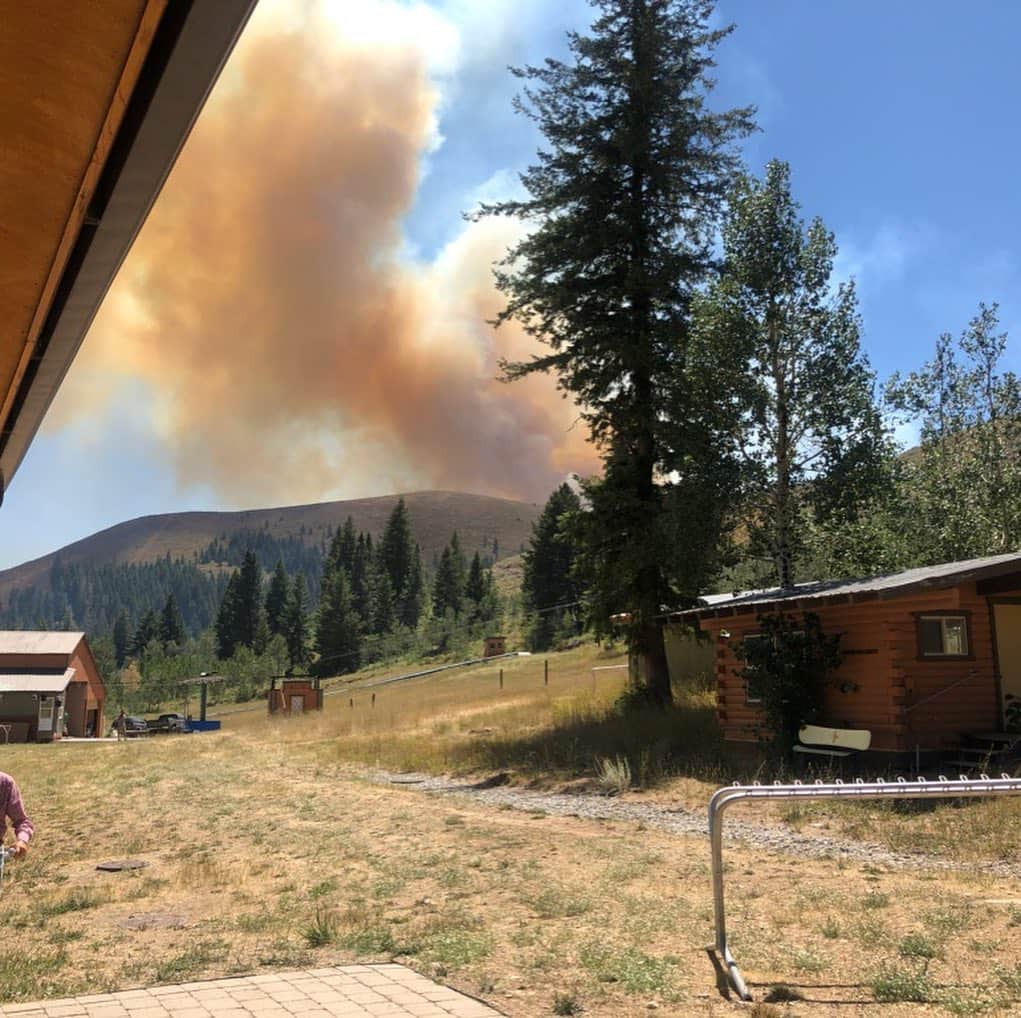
787	667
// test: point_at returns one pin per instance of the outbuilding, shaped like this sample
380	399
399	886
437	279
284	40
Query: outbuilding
931	656
49	686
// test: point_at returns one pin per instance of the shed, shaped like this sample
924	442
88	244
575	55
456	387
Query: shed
48	681
295	696
931	656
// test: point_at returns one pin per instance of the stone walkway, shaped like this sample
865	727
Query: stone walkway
348	991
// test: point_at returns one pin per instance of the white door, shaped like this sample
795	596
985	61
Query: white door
1008	654
45	714
297	704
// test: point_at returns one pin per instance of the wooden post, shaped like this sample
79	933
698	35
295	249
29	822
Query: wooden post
501	678
202	701
351	703
545	672
373	699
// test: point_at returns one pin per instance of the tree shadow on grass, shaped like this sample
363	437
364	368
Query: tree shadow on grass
652	743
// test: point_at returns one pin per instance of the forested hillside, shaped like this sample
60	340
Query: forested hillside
134	567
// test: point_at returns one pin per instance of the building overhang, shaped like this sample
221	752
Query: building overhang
96	101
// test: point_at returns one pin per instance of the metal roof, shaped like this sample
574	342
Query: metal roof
30	641
41	682
889	585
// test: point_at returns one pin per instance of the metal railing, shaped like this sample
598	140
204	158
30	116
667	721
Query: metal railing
943	788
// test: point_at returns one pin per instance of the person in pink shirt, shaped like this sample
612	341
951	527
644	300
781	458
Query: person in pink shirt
13	809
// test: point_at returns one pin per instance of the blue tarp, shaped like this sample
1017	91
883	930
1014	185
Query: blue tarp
204	726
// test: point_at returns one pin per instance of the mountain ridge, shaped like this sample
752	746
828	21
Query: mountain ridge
435	515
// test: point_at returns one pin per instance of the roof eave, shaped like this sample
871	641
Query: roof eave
189	49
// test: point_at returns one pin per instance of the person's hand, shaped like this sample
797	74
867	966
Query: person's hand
20	849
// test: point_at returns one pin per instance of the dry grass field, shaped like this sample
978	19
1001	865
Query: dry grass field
269	845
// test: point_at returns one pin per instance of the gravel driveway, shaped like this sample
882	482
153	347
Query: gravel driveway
678	820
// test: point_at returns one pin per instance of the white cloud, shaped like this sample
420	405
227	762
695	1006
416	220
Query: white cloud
881	259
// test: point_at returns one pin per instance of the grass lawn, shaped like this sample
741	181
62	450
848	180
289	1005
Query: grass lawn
271	844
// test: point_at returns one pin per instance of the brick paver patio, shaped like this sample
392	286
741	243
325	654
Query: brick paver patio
348	991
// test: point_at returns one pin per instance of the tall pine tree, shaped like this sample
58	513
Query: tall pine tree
121	639
295	623
338	628
448	584
171	622
623	202
276	599
226	625
249	600
549	588
148	630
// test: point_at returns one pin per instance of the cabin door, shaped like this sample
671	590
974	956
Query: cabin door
297	704
1008	654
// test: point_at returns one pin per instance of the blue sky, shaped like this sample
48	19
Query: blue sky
898	120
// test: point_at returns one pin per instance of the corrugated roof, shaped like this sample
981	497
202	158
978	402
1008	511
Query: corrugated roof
41	682
889	585
32	641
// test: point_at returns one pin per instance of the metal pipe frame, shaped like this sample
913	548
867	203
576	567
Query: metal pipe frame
921	788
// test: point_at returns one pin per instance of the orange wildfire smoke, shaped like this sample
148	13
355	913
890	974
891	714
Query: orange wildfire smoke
292	349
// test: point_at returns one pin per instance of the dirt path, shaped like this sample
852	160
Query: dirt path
681	820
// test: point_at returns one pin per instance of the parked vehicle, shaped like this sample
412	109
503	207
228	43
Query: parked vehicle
168	723
133	726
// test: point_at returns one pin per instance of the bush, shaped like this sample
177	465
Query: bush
788	667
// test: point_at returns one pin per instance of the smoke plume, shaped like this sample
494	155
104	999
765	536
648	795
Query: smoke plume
291	346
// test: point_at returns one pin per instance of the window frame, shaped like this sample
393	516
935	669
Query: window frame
942	617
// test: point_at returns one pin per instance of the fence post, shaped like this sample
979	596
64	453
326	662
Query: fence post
545	672
351	703
501	678
373	699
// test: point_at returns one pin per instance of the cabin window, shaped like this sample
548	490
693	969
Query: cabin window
943	636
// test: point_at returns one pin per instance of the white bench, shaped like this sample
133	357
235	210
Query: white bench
834	743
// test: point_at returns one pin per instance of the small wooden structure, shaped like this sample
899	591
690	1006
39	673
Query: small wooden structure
49	682
494	646
931	656
296	695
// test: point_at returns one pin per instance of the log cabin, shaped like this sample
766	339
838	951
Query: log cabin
931	657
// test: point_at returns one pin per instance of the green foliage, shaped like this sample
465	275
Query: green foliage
171	629
321	929
549	587
401	561
277	596
295	624
121	638
788	667
963	485
783	347
448	586
894	984
249	601
148	629
226	619
622	202
338	628
481	601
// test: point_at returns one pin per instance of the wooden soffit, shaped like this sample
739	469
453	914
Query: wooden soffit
91	92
